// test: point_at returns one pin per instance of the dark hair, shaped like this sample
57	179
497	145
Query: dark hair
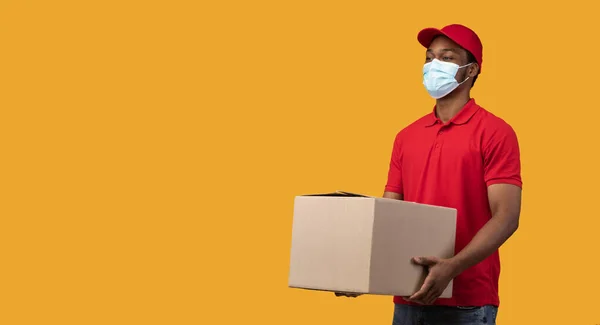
471	59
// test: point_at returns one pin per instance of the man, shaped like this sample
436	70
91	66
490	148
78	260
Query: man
461	156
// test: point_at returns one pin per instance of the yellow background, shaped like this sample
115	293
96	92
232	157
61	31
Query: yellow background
151	151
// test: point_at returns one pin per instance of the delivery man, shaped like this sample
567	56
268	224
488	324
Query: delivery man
461	156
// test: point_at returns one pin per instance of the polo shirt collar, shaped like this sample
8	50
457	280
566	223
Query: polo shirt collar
463	116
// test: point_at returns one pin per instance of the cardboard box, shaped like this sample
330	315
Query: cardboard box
344	242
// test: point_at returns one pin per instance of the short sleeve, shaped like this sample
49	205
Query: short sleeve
502	160
394	179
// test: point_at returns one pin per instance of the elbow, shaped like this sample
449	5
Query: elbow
513	225
509	223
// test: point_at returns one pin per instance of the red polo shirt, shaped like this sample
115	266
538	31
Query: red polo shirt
452	165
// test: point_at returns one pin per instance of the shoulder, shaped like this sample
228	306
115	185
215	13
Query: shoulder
496	129
414	128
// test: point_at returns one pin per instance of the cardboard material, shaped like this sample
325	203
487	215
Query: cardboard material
345	242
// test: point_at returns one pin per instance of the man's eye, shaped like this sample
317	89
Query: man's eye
447	58
427	59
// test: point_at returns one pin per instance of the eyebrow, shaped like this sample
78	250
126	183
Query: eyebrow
444	50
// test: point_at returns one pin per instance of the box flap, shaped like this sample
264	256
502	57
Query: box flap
338	193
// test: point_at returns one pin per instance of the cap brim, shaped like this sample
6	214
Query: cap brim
426	36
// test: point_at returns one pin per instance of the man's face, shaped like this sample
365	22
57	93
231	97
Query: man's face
446	50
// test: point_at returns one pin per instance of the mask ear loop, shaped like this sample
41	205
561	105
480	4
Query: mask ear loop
466	65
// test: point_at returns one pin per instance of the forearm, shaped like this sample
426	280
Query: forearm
489	238
392	195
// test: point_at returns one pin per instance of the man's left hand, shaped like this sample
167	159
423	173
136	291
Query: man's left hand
441	271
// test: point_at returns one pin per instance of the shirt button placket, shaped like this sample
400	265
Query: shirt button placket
438	141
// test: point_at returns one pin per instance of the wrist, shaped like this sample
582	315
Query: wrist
456	265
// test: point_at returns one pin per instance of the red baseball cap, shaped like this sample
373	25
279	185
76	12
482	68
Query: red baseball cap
460	34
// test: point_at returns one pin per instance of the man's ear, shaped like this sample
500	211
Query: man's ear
473	69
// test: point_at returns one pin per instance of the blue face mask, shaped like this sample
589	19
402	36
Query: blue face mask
439	77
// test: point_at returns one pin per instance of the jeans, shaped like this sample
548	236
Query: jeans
443	315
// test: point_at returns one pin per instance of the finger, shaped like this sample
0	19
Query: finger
425	261
427	285
432	296
433	299
419	294
427	296
416	301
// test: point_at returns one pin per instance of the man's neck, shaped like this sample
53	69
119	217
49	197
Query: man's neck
446	108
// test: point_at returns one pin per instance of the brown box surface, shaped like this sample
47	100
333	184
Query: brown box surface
352	243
